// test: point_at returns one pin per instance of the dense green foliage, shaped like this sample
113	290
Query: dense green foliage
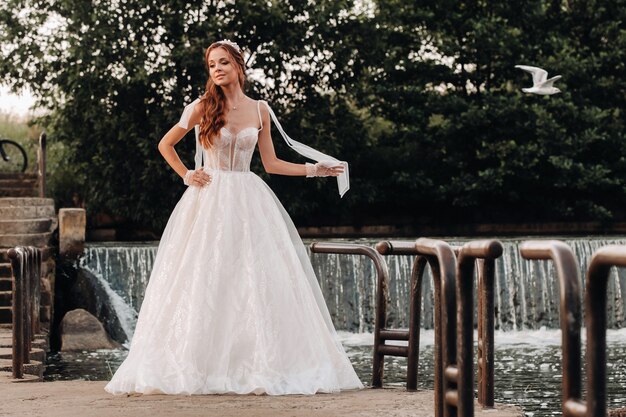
422	98
18	130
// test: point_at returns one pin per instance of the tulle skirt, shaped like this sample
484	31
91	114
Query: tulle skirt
232	304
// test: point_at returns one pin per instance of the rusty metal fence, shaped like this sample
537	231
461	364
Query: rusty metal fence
454	270
382	282
453	392
26	274
566	265
441	259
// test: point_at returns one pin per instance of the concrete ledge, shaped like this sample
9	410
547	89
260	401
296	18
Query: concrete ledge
7	342
25	201
6	376
36	354
18	192
72	225
467	229
35	368
18	182
27	212
18	175
26	225
26	239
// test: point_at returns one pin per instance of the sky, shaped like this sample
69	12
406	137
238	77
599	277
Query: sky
17	105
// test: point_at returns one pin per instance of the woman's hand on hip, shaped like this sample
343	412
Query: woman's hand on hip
197	177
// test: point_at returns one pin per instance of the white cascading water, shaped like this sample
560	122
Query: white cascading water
527	294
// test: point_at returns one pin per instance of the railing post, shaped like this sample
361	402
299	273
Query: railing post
27	273
442	261
382	274
41	164
595	320
417	273
570	317
417	276
486	326
488	250
16	259
36	291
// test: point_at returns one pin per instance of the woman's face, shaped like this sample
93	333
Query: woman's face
222	69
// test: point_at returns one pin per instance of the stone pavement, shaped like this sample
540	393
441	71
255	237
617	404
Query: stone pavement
88	398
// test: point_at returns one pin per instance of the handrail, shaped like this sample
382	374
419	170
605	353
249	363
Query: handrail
382	279
41	164
442	261
571	316
460	373
392	247
26	273
595	320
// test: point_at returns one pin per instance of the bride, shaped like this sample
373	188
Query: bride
233	304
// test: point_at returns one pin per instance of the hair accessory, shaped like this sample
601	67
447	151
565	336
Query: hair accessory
231	43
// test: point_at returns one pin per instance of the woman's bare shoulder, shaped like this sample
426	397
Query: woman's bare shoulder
198	111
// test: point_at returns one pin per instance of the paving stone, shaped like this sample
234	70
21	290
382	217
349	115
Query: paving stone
25	201
14	226
26	239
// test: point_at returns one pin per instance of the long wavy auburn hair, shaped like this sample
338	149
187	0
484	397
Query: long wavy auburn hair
213	99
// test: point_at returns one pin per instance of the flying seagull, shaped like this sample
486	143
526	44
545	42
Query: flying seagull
541	84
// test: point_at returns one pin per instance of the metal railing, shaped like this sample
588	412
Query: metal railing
459	375
41	164
453	272
595	320
382	280
440	257
26	275
570	317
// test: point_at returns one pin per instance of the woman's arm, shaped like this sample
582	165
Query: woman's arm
271	163
171	138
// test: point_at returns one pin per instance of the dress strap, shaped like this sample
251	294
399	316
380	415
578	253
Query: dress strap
343	180
258	108
184	123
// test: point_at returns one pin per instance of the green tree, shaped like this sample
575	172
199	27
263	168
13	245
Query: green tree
422	98
115	76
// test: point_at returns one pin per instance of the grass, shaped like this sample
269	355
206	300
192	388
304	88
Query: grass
21	131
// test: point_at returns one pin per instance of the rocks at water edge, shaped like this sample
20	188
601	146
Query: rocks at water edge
82	331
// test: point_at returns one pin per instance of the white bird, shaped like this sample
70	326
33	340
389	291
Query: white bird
541	84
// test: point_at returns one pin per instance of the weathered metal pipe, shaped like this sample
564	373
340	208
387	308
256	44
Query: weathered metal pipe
442	261
486	326
41	164
382	278
488	250
18	311
597	280
570	314
26	273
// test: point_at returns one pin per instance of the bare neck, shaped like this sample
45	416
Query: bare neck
233	93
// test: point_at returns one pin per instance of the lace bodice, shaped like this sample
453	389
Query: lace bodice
232	152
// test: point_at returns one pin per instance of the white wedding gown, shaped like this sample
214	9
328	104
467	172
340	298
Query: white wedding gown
233	304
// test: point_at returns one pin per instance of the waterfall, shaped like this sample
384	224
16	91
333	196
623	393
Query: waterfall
526	293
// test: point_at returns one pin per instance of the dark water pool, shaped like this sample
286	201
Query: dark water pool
528	371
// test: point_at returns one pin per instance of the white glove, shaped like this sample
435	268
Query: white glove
196	177
324	169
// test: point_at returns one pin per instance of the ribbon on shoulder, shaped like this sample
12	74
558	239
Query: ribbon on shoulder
343	180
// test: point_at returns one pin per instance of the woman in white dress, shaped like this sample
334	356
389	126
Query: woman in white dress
233	304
